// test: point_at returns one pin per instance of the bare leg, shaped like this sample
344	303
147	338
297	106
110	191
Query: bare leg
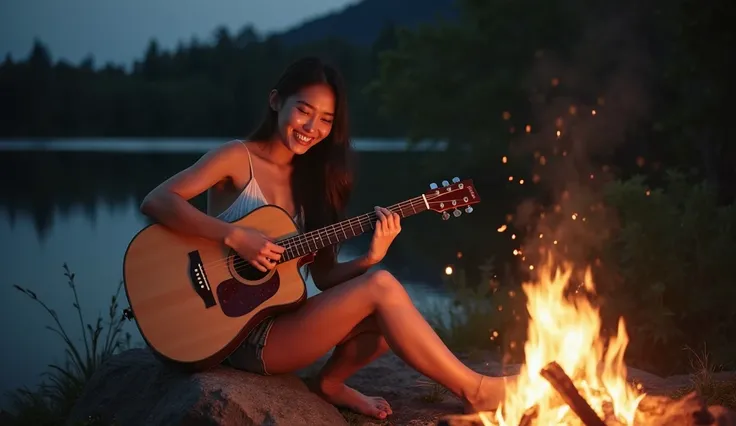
364	344
299	338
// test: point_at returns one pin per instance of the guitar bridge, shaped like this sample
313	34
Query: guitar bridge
199	280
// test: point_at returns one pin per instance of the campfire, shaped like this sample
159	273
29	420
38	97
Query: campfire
571	376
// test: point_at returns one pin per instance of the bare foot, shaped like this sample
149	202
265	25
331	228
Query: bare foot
341	395
491	393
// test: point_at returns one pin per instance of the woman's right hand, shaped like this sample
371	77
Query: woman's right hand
254	247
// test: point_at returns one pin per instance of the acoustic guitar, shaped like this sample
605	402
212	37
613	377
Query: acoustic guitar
194	300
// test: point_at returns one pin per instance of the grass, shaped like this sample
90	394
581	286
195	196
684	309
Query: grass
434	391
714	391
62	384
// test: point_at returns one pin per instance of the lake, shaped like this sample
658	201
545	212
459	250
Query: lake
77	202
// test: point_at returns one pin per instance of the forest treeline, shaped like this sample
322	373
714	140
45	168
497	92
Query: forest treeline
209	89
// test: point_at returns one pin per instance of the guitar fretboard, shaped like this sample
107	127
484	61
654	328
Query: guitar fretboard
309	242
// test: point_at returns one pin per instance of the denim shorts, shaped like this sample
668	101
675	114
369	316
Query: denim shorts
249	355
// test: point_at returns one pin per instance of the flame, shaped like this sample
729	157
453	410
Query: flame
567	330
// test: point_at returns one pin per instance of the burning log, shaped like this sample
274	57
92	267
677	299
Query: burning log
689	410
529	416
461	420
560	381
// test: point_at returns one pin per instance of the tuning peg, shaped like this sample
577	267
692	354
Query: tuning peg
455	179
445	183
445	215
432	185
469	209
457	213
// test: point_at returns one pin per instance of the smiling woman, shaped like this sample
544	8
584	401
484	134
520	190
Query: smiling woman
298	160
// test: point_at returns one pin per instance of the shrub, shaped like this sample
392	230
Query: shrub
673	260
51	403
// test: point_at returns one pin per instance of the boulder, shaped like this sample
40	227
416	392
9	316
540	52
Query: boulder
134	388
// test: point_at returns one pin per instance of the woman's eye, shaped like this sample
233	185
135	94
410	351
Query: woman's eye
327	121
301	110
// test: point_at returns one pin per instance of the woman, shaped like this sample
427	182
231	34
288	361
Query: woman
298	159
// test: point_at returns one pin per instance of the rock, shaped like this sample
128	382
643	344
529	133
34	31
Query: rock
134	388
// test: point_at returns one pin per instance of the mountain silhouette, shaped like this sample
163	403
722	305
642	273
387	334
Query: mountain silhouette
362	22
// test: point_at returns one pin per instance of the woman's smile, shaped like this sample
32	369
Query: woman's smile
302	138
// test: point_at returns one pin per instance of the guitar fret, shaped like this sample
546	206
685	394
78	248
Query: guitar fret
342	228
312	241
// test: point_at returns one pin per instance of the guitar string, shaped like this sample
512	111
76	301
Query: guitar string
294	251
240	261
300	240
223	263
303	239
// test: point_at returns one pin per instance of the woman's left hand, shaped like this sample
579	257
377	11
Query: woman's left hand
388	227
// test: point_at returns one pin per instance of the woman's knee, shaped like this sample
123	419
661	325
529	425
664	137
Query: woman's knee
382	285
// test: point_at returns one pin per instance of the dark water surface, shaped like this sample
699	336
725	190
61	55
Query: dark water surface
78	203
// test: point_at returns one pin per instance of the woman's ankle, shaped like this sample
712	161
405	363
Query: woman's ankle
489	393
471	392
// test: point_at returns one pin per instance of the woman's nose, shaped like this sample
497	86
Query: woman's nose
309	125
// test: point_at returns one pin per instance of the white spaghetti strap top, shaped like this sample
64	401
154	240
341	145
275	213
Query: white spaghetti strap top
249	199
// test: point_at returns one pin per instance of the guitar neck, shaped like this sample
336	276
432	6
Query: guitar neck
309	242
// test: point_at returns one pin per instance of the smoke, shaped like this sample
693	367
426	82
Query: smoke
584	107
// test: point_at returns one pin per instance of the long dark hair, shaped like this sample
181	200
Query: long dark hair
322	178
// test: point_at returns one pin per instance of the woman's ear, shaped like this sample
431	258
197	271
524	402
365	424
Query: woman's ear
274	100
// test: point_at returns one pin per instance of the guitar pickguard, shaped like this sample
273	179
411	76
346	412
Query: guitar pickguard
238	299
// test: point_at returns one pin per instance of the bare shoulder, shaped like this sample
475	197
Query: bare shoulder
230	156
217	165
231	150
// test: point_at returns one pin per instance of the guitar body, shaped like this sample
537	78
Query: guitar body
194	300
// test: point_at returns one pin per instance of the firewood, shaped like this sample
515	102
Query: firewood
689	410
560	381
460	420
474	419
529	416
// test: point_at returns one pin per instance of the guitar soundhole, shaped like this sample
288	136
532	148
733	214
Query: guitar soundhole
245	270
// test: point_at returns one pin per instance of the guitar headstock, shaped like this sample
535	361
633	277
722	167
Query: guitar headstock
452	196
